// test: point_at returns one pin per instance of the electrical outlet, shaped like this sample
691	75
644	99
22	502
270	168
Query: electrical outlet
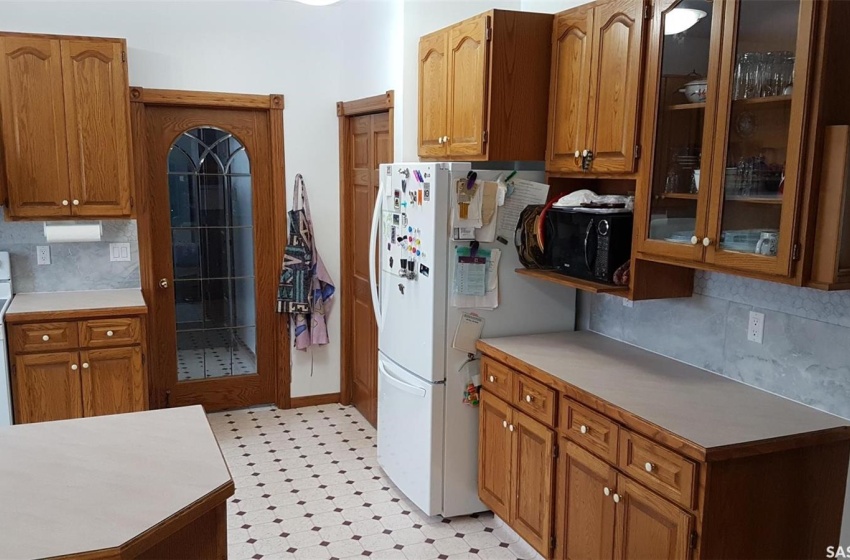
755	330
42	254
119	252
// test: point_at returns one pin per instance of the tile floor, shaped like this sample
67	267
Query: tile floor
213	353
308	486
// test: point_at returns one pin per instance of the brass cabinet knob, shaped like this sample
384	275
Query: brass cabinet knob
163	283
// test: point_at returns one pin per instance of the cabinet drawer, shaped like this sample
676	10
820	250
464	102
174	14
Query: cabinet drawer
496	378
103	333
591	430
40	337
535	399
658	468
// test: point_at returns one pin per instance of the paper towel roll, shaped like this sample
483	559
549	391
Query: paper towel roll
73	232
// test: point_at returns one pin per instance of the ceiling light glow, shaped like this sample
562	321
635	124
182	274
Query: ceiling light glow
681	19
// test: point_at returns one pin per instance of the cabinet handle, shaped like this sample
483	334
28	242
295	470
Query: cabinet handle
64	203
606	491
694	240
74	367
440	140
583	429
45	338
706	242
529	398
76	202
584	153
492	379
616	498
85	365
109	333
649	467
511	427
445	139
577	154
504	423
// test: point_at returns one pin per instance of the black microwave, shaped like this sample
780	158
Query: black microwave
587	243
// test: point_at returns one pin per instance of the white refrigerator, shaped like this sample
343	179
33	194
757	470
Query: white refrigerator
427	436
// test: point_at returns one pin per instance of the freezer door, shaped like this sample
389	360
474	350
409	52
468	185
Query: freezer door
410	434
413	241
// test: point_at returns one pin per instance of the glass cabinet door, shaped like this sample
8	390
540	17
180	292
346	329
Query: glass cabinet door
757	148
685	83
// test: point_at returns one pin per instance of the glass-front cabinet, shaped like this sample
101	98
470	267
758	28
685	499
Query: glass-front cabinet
726	131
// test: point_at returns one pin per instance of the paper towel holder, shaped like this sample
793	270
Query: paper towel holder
73	231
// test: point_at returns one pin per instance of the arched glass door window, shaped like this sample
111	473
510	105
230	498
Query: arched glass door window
212	237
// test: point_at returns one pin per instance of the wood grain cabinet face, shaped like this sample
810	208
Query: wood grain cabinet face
568	96
47	387
97	109
433	93
43	337
649	526
103	333
589	429
664	471
467	87
112	381
33	127
532	472
535	399
497	378
494	454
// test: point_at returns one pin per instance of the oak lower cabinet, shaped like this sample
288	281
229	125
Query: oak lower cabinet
516	470
65	128
484	87
72	369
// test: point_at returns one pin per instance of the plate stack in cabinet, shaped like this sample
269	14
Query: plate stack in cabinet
89	366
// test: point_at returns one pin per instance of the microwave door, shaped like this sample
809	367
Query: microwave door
590	246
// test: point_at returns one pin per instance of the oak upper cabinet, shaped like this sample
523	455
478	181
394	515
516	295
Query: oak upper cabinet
112	380
595	88
494	473
483	88
46	387
65	126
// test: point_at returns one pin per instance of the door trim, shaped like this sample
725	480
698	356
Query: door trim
345	110
273	105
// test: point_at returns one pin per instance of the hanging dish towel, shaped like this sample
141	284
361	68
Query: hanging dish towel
306	289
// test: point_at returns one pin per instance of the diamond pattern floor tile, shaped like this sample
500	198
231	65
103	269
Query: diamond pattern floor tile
308	486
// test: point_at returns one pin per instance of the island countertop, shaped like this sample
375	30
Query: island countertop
709	410
97	483
45	306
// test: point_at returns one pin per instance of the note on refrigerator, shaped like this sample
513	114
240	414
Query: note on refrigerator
524	193
468	332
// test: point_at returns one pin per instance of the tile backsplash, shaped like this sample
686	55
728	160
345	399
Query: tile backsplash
74	266
806	335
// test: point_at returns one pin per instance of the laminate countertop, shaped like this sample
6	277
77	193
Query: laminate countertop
96	483
707	409
57	305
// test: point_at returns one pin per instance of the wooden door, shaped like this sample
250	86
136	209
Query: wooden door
615	84
569	90
467	87
47	387
649	526
113	381
212	221
585	509
97	113
532	468
433	94
494	454
33	127
369	145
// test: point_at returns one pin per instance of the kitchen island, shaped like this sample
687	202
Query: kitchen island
141	485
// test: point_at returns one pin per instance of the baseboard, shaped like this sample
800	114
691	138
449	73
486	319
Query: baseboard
314	400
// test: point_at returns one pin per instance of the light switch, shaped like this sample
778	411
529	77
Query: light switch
119	252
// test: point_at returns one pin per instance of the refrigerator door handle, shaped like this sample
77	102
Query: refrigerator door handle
399	384
373	247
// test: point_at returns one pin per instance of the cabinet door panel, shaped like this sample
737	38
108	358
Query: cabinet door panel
97	112
468	60
494	460
648	526
433	93
585	513
33	125
568	94
615	84
532	470
113	381
47	388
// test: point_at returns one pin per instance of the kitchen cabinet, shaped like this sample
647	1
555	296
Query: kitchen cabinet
693	477
70	365
65	127
483	88
595	88
732	156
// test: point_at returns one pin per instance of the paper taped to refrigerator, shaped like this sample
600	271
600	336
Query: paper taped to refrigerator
524	193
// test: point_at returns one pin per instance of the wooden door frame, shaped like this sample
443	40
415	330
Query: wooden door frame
273	105
345	110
